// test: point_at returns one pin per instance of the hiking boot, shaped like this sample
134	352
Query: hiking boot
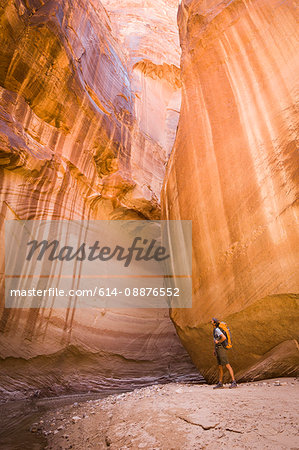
233	385
218	386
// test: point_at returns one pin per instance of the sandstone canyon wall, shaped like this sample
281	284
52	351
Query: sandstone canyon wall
148	33
234	173
75	143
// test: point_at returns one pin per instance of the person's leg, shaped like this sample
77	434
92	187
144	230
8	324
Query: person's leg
231	372
220	370
233	383
220	374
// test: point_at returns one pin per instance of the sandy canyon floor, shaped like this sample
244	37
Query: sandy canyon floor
258	415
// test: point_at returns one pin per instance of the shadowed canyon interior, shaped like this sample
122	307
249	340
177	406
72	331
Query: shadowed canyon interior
92	127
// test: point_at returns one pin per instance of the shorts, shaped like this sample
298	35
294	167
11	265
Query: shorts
221	355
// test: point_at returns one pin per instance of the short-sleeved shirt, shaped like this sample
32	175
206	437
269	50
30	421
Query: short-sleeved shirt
217	333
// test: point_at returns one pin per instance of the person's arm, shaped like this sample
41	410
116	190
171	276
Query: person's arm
220	339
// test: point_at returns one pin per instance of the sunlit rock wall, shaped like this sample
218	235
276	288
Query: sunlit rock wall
68	106
148	33
234	173
72	146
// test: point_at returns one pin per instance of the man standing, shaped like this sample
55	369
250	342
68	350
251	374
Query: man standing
220	341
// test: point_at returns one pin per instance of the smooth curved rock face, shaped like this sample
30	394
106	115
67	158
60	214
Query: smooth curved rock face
68	118
54	351
148	33
234	172
282	360
72	147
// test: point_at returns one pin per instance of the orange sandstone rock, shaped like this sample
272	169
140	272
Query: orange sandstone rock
234	173
72	146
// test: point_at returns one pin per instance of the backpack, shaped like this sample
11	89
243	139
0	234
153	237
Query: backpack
226	331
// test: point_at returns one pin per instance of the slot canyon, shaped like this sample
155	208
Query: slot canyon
154	110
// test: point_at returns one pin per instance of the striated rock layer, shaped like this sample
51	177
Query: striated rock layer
147	32
67	117
234	173
73	146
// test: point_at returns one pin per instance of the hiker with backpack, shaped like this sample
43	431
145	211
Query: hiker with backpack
222	341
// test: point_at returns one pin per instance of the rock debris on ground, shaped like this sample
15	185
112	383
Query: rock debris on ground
256	415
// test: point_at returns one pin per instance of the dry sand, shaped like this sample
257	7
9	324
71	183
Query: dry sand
258	415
